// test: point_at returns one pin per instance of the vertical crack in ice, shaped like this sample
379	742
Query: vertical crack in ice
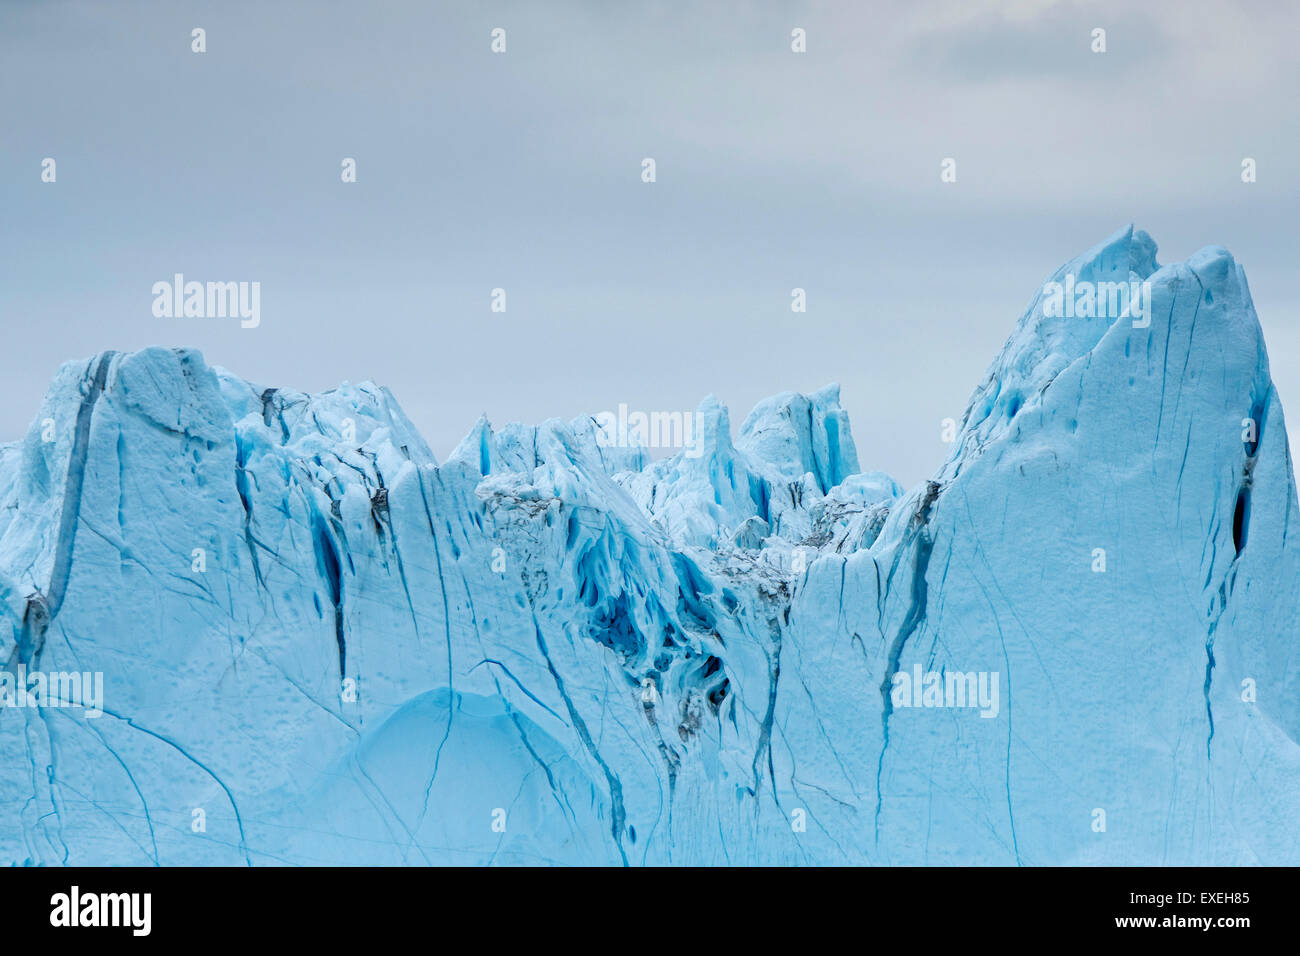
239	820
765	728
446	620
557	792
1209	674
922	544
617	812
1240	530
383	516
245	499
42	608
328	561
144	804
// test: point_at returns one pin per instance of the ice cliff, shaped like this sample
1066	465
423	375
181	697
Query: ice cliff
319	645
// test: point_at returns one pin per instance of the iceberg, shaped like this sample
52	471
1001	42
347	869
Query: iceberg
1074	644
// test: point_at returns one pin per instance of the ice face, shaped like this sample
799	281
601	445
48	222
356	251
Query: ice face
318	645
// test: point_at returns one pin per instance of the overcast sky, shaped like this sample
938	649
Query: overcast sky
522	171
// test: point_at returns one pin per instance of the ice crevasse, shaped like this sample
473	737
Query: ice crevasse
318	645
